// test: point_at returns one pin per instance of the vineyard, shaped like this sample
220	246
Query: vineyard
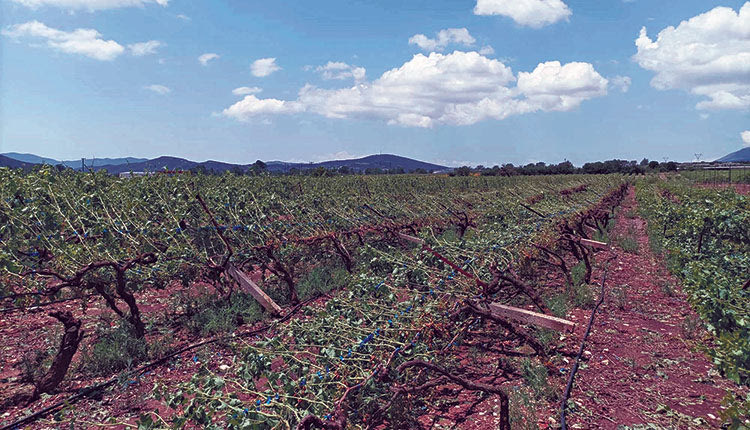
736	175
349	302
705	236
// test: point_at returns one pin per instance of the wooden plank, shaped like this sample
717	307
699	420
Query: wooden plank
593	230
530	317
594	243
412	239
251	287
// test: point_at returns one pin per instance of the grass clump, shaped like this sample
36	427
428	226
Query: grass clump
578	273
115	349
536	378
558	305
321	280
628	244
211	315
583	296
522	408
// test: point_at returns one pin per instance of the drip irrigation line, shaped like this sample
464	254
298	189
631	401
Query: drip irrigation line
16	308
532	210
580	350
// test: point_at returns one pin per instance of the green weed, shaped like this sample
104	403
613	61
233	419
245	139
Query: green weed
211	315
578	273
116	349
536	378
522	408
583	296
321	280
558	304
628	244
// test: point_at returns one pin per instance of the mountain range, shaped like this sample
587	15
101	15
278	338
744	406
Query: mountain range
73	164
130	164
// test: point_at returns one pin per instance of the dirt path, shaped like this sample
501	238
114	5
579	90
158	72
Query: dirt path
643	367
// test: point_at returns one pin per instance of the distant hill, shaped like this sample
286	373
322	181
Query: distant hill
171	163
14	164
161	163
121	165
382	161
75	164
32	159
741	156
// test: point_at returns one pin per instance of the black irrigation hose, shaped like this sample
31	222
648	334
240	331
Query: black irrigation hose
139	371
18	308
580	351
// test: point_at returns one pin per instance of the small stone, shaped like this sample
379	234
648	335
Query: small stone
223	367
712	416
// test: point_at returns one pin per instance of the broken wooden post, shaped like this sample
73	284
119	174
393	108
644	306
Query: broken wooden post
529	317
251	287
412	239
594	243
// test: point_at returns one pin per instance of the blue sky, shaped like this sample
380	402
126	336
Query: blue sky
109	78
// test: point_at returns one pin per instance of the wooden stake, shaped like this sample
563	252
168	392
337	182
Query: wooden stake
251	287
529	317
412	239
594	243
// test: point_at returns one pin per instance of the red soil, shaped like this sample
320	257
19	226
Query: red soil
740	188
644	364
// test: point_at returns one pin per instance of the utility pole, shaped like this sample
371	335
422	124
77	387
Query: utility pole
697	160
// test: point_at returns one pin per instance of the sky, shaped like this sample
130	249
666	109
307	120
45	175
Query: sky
447	81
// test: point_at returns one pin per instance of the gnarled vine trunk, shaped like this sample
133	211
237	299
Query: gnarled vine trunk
68	347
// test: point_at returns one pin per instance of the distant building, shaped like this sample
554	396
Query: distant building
132	174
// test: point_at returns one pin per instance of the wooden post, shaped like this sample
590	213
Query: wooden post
529	317
412	239
251	287
594	243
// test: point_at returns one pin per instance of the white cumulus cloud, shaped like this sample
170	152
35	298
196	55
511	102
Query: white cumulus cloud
449	36
622	82
264	67
145	48
339	70
746	137
707	55
90	5
460	88
530	13
487	50
556	87
243	91
82	41
250	106
159	89
208	56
